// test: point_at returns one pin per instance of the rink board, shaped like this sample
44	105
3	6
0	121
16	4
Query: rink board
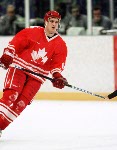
68	96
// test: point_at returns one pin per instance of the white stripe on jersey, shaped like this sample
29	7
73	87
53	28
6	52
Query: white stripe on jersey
19	60
9	109
9	47
12	77
7	113
8	119
56	70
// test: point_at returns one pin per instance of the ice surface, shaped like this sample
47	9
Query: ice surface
63	125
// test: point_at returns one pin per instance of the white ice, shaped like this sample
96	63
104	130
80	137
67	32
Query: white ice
63	125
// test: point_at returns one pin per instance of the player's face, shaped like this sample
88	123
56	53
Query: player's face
52	25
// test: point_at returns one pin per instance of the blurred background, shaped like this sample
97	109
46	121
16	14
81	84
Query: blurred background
83	16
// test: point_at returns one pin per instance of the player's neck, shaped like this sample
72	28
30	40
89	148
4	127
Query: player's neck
49	34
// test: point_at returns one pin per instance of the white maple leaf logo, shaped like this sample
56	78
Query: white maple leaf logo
41	53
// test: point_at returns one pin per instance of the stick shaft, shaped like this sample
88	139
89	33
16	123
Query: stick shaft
85	91
38	74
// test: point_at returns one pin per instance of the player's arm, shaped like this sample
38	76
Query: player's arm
57	66
15	46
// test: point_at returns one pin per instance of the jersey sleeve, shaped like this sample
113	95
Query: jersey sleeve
18	43
59	58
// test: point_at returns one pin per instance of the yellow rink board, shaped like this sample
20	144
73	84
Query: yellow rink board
68	96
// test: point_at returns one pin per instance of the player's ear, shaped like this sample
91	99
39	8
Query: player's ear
45	23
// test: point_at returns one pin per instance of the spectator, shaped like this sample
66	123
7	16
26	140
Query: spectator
73	19
77	19
100	20
61	8
9	22
115	24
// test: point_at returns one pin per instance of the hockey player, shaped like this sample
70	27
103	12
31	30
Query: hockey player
38	49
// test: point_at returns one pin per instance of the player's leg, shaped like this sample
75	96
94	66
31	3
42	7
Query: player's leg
29	90
14	82
25	98
6	114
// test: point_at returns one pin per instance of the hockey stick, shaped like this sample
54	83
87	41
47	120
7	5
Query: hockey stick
68	85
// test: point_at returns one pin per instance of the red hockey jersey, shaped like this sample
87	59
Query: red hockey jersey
33	50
